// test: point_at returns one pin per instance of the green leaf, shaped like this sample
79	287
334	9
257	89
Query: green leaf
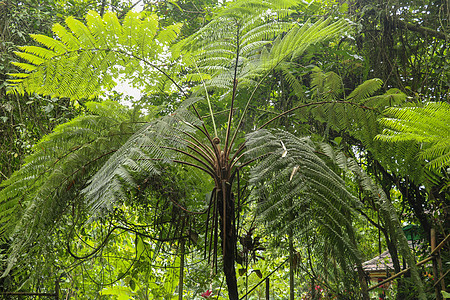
122	293
140	247
132	284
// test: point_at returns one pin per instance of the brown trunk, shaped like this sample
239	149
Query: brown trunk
226	211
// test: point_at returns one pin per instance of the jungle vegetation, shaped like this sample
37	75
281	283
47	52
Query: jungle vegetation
279	139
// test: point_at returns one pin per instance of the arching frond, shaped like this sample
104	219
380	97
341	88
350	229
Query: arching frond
252	42
291	46
429	125
37	195
387	210
83	61
91	162
298	190
365	90
142	154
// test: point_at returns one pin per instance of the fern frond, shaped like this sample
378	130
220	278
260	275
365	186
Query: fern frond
428	125
82	60
387	210
50	43
240	30
293	81
292	45
358	115
313	186
298	193
325	86
35	196
365	89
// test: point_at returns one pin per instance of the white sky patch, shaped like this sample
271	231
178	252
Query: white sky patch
125	88
139	7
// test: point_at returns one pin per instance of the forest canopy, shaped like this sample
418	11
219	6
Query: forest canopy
279	148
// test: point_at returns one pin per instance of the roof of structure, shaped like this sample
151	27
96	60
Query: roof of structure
379	263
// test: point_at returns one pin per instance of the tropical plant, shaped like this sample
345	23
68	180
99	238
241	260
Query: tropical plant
250	40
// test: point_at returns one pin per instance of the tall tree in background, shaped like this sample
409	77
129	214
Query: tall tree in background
405	43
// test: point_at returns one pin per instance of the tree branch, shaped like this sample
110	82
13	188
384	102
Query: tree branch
421	29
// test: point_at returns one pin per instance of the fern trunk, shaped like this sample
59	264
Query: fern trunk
226	211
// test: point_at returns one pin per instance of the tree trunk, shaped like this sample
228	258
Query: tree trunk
226	210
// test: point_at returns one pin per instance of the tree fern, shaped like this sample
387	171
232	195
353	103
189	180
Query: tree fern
428	125
234	66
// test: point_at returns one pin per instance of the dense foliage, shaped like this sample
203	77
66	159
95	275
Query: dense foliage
278	135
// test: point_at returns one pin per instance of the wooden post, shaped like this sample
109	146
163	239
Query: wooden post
441	271
267	288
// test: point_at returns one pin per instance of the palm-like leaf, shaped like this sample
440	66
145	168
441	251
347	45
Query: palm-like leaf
429	125
84	61
292	168
38	194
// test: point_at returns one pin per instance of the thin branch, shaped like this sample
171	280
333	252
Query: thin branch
425	31
191	156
